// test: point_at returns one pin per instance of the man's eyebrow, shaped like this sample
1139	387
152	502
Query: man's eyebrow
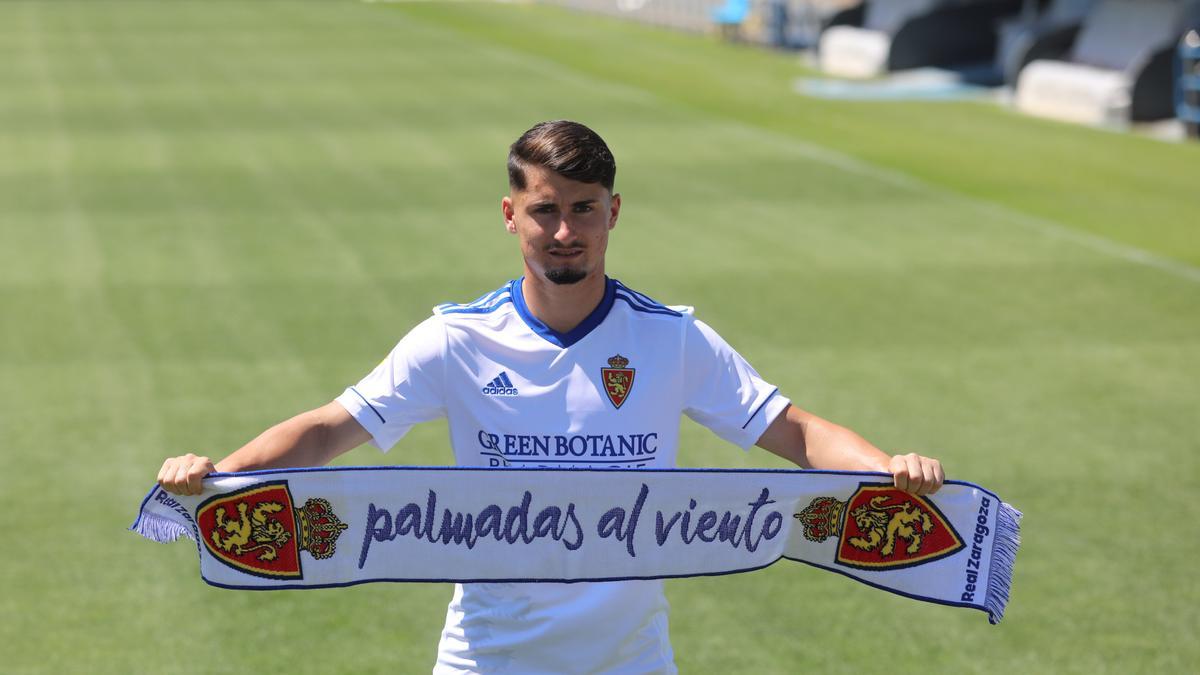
584	202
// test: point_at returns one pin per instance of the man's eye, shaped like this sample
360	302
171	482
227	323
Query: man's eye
544	209
583	208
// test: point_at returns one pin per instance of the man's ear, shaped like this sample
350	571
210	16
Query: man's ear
506	206
614	211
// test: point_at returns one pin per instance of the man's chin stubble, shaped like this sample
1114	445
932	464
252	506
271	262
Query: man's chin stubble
565	275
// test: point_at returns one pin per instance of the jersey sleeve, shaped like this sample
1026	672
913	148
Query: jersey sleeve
406	388
723	392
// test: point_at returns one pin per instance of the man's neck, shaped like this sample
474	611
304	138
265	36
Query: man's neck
562	307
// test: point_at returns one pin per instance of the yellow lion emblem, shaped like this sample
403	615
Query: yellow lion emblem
267	534
886	524
617	384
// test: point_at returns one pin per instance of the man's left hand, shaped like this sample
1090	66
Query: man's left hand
916	474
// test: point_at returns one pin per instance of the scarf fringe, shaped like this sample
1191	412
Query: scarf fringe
159	529
1004	554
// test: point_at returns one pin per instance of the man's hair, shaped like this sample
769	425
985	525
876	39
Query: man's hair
567	148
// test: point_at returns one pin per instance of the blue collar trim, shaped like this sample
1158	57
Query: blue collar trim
577	333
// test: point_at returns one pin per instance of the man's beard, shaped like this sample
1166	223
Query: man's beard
565	275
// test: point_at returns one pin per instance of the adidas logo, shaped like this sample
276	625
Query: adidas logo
501	386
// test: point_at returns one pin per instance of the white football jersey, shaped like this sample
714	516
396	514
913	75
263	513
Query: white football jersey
607	394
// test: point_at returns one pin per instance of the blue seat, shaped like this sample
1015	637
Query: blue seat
732	13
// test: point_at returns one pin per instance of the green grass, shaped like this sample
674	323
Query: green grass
213	215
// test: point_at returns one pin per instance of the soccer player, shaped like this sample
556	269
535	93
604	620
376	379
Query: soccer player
563	367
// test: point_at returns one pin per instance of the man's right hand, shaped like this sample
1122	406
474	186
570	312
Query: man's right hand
182	475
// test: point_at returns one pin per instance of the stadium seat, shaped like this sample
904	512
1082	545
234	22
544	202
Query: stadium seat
1118	69
880	36
1039	34
730	16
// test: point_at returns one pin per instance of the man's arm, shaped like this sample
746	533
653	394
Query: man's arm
312	438
813	443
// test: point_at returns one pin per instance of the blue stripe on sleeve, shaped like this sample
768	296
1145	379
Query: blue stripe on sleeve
364	399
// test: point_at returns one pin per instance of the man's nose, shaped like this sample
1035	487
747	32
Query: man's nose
566	230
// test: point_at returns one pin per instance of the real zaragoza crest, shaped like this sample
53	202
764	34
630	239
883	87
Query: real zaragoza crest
881	527
259	532
617	379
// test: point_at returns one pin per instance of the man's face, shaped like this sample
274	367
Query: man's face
562	224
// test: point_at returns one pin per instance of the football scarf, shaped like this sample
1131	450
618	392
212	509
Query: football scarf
328	527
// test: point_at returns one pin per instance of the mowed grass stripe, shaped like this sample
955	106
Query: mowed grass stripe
77	601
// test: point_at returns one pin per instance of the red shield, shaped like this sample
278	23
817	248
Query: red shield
253	531
617	384
887	528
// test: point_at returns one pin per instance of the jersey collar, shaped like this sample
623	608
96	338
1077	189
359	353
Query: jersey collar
577	333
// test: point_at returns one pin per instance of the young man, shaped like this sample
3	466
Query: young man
563	367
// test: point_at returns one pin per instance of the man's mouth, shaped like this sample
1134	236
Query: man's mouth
565	253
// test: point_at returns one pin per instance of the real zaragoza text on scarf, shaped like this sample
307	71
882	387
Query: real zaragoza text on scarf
314	528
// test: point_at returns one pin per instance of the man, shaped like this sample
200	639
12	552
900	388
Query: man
563	367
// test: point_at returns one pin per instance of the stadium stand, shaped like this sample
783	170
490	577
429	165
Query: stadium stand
1118	69
880	36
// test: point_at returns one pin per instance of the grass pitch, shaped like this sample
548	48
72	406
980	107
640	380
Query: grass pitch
213	215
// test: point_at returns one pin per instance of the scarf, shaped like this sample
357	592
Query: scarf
340	526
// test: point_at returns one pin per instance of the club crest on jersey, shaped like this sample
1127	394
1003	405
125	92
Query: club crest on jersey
258	531
881	527
617	379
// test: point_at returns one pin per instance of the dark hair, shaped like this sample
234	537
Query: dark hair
567	148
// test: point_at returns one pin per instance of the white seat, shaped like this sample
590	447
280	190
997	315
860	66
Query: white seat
846	51
1073	92
860	52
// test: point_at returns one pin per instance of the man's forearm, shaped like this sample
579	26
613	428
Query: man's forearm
834	447
814	443
300	441
313	438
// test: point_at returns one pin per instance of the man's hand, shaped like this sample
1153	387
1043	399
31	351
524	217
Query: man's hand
182	475
916	474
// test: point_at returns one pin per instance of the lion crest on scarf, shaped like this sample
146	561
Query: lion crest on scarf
251	532
886	524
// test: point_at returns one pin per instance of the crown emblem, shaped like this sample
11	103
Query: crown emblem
822	518
319	528
618	361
